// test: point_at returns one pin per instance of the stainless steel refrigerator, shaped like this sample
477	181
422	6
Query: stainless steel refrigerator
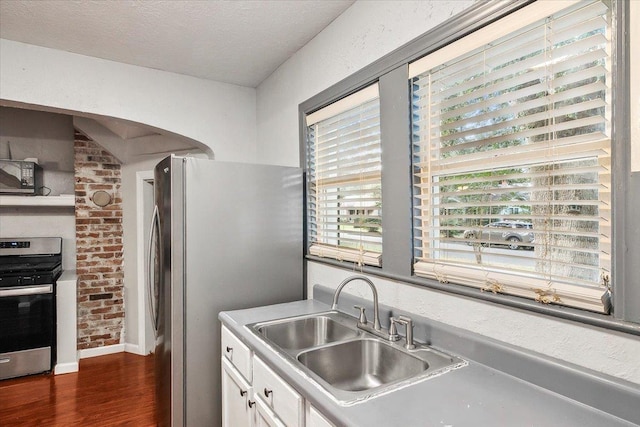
224	236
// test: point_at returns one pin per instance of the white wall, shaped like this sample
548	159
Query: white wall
219	115
43	222
362	34
365	32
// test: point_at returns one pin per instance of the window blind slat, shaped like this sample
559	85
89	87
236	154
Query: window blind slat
490	33
520	285
349	153
514	109
514	157
363	125
352	171
363	112
496	179
506	80
349	181
515	96
343	254
358	141
525	66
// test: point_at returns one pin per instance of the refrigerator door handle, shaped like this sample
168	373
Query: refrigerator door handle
153	303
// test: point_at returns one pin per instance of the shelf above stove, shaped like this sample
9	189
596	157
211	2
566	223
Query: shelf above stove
66	200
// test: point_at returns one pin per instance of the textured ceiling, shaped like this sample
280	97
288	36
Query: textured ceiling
239	42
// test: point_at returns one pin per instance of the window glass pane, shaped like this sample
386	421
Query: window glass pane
511	162
344	182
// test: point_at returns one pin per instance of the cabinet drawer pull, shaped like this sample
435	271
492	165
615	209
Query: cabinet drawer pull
242	393
251	403
267	392
229	349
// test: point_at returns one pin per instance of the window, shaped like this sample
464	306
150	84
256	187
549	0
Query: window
511	156
344	179
507	147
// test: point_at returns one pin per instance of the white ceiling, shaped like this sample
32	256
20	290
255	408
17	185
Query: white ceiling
238	42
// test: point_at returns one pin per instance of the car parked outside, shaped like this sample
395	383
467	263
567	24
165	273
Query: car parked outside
514	234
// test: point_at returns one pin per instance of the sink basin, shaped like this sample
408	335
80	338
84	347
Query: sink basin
349	363
362	364
306	332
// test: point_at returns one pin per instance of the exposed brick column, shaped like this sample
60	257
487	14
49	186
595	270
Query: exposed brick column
99	262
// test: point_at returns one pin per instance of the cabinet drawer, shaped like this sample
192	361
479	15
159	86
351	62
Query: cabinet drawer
285	402
237	353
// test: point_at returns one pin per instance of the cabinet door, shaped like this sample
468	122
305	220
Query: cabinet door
279	396
316	419
265	417
236	392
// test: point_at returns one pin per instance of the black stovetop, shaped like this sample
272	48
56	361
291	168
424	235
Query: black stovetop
29	270
28	267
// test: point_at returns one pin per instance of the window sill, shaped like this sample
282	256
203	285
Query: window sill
566	313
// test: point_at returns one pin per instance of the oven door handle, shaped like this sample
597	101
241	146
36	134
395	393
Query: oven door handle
25	291
153	303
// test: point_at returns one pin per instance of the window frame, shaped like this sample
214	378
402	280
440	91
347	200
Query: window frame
391	71
510	122
351	105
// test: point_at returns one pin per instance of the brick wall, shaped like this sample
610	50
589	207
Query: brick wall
99	262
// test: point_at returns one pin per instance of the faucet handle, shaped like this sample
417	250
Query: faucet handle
406	319
363	317
393	330
408	322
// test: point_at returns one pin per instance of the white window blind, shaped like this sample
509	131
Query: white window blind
511	140
344	179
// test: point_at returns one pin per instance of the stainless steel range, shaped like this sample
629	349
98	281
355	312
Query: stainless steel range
29	268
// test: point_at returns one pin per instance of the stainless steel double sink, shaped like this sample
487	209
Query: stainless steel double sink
349	363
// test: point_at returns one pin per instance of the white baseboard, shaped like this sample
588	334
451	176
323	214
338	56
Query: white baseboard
133	348
101	351
65	368
110	349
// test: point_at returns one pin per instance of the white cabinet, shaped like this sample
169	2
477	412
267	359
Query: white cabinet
254	395
236	392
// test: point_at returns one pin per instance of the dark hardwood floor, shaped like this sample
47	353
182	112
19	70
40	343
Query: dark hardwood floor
113	390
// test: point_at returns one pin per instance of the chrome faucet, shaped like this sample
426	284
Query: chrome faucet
376	329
